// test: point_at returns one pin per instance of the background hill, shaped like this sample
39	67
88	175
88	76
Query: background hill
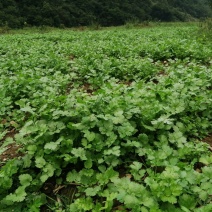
69	13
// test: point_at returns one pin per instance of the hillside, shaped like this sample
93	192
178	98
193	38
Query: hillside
69	13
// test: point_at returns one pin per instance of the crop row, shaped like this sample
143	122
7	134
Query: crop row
112	117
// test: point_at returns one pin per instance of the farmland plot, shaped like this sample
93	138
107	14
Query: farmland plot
110	120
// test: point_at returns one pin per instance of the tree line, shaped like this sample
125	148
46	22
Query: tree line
70	13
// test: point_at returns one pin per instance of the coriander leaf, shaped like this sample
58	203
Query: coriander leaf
92	191
40	162
25	179
79	152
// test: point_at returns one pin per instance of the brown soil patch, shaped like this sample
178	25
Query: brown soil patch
88	88
10	134
162	73
72	57
54	193
69	87
85	87
208	140
11	151
128	83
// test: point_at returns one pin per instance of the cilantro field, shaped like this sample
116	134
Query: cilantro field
118	119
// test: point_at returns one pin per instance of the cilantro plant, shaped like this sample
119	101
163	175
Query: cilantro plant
111	120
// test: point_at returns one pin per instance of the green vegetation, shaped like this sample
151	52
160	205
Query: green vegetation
107	120
71	13
206	28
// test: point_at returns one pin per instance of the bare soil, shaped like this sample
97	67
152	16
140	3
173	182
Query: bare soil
11	151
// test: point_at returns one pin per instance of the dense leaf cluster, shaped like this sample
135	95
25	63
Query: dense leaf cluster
69	13
114	116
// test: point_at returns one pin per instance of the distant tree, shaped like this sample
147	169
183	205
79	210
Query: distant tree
210	3
161	11
9	14
70	13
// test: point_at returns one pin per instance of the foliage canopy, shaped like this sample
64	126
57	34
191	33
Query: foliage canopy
69	13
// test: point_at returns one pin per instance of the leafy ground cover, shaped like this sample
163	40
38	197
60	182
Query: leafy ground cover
109	120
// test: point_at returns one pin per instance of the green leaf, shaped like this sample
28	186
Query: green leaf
118	117
111	139
131	200
25	179
79	152
51	146
44	177
207	171
164	119
28	108
2	134
88	164
73	176
49	169
149	202
40	162
31	149
203	195
89	135
27	160
92	191
206	186
171	199
82	204
187	201
114	151
18	196
136	165
177	137
126	130
109	174
55	127
38	201
105	126
204	208
206	160
143	138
